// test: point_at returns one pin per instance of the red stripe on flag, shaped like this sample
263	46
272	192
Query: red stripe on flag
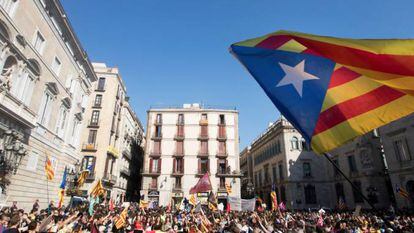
341	76
311	52
273	42
388	63
354	107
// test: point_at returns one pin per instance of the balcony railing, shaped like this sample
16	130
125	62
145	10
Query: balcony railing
178	154
89	146
203	136
113	151
178	172
152	186
203	122
203	153
125	171
221	154
108	177
94	124
179	137
157	137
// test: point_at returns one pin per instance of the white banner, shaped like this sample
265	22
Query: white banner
237	204
248	204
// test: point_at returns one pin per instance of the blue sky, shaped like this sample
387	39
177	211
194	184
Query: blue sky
176	51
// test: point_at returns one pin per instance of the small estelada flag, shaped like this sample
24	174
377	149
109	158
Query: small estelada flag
50	173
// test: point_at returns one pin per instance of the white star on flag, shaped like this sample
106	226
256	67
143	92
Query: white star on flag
295	76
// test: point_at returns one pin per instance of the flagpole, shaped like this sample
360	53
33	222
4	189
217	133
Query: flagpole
354	187
47	192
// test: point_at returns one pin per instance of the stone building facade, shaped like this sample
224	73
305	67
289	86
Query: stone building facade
45	81
184	143
398	145
111	128
280	157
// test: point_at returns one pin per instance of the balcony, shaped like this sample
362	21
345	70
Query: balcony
112	151
89	146
203	122
157	137
221	155
158	122
179	154
152	187
179	137
127	154
201	172
90	177
203	137
155	154
94	124
98	106
125	171
224	173
108	177
177	188
178	172
202	154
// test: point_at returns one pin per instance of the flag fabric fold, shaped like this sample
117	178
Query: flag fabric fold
120	222
274	198
50	173
332	89
62	187
203	185
212	202
98	189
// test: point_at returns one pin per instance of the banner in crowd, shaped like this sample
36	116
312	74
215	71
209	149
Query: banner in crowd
238	204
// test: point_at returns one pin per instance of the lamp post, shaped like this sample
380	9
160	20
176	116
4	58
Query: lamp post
11	154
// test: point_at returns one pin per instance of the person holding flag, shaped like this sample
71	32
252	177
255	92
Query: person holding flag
274	198
62	187
212	202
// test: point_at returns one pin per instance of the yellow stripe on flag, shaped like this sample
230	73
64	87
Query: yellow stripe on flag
349	90
360	124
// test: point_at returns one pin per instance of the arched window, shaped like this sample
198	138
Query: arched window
8	72
310	194
4	32
295	143
304	144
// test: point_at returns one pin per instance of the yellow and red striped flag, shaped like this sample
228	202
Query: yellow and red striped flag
82	178
120	222
192	200
228	189
98	189
332	89
50	173
403	192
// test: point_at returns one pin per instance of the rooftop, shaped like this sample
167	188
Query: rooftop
191	107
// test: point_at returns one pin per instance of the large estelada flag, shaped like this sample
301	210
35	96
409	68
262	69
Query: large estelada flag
331	89
203	185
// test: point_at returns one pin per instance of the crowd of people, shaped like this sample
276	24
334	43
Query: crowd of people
106	217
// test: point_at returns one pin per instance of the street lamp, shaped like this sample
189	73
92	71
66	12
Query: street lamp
11	154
